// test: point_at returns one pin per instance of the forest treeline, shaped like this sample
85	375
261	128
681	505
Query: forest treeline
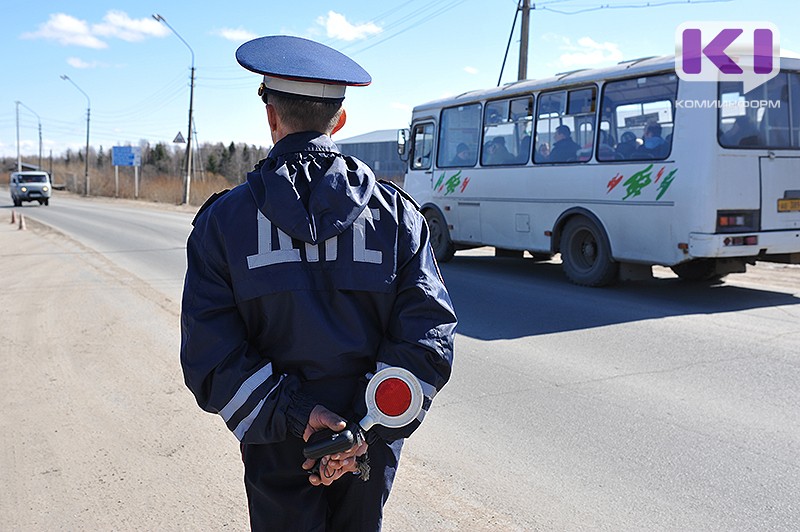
161	174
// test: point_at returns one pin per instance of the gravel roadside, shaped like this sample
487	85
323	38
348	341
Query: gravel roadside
98	431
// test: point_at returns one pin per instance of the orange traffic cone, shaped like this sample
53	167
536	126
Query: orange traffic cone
22	226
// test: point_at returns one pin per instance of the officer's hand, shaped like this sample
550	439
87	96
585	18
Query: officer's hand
332	467
322	418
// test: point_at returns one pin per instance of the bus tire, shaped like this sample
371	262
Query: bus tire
443	247
586	254
697	271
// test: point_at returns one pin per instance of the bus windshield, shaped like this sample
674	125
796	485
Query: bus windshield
766	117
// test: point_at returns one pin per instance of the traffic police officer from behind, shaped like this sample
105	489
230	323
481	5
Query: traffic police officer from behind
301	284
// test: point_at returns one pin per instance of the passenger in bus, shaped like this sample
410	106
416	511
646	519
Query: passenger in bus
627	145
524	149
497	152
654	146
564	148
741	133
543	152
463	156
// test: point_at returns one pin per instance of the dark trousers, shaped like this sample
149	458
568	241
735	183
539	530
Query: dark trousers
280	497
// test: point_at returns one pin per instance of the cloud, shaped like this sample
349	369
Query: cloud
587	52
235	35
555	37
70	31
470	70
66	30
337	27
118	24
77	62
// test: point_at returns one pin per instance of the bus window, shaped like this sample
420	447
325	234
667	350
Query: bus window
565	126
507	132
639	114
421	146
766	117
459	136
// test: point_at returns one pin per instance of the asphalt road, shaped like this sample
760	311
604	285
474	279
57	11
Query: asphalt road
651	405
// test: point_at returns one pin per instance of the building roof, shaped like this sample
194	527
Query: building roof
381	135
11	166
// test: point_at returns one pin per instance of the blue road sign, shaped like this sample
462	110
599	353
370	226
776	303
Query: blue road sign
126	156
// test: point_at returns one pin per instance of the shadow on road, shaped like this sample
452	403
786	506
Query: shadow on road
499	298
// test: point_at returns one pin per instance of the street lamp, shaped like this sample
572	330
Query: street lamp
188	181
40	134
88	112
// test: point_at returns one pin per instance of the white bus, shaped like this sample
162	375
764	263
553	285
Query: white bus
616	169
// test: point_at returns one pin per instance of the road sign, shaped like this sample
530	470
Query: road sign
179	138
126	156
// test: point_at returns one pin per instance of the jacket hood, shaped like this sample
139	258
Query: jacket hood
310	190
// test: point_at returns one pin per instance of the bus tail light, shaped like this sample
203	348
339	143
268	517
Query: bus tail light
749	240
737	221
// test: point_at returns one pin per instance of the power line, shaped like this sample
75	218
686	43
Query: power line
415	23
543	6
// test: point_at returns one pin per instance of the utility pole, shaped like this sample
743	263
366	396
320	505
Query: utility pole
189	140
523	40
188	181
88	113
19	160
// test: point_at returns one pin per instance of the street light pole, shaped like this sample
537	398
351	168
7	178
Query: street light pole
88	113
40	131
187	183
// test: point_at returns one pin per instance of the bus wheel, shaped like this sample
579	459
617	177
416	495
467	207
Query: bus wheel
586	255
698	270
443	247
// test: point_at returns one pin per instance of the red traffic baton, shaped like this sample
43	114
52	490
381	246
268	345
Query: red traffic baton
394	399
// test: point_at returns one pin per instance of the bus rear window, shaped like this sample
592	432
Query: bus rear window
637	118
766	117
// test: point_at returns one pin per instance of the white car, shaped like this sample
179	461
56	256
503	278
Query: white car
30	186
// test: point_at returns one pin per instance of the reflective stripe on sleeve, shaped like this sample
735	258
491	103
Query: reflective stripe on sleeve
245	424
245	390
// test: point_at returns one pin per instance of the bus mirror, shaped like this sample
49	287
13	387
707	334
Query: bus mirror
402	144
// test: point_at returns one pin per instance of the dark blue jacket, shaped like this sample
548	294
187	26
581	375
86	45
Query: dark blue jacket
303	282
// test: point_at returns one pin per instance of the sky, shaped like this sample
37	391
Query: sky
135	71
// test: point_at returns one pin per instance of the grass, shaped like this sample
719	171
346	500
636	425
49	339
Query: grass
153	186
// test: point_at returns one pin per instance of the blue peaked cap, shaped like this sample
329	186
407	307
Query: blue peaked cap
300	67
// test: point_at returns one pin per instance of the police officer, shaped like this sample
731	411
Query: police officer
301	284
